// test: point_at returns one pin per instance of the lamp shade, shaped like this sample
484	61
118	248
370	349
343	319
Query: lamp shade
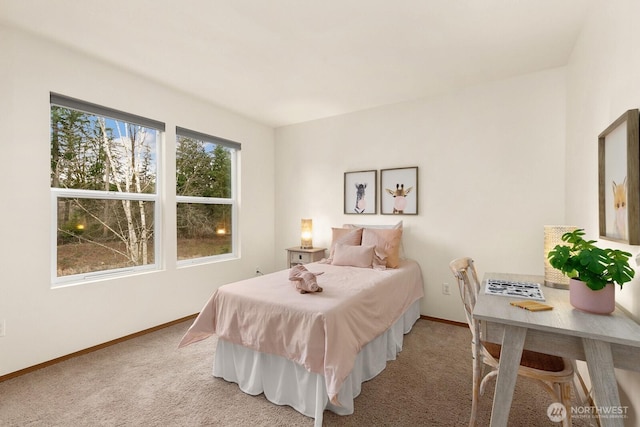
306	233
553	277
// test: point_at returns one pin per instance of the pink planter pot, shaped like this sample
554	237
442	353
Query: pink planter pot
584	298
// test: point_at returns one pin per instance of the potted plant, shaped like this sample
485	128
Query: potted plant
593	271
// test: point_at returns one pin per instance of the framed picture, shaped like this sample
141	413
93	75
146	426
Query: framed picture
619	180
360	192
399	191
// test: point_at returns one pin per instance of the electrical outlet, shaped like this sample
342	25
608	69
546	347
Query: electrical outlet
3	327
445	289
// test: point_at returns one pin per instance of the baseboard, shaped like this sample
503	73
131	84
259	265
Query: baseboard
92	349
449	322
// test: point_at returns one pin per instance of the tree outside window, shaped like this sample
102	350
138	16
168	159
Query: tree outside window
103	183
205	195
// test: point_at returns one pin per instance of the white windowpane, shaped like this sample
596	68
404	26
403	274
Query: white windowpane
204	230
103	183
206	200
94	235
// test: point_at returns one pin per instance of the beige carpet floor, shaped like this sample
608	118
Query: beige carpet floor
147	381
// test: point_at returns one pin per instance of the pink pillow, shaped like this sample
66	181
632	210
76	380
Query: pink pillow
387	243
355	256
345	236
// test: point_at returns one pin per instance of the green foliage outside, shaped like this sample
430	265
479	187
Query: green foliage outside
89	152
202	172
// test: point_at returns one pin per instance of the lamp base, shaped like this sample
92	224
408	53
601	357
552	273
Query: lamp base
306	247
550	284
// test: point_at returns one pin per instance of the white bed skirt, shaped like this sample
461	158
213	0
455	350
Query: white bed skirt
284	382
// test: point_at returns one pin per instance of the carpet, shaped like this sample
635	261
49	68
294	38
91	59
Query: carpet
148	381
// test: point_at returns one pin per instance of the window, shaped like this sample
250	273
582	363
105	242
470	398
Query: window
104	180
206	196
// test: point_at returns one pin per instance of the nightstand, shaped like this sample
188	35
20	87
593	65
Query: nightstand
297	255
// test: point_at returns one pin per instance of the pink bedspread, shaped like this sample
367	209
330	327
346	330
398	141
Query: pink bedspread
321	331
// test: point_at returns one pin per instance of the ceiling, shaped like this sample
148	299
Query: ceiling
288	61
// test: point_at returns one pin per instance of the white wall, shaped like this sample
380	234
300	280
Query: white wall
603	82
491	175
44	323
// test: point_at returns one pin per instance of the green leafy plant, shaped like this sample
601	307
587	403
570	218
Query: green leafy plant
582	260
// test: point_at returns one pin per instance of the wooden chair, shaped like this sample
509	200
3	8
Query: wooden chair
555	374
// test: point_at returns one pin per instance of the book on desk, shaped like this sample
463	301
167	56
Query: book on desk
513	288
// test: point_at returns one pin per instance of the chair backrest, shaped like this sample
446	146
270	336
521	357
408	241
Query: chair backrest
465	273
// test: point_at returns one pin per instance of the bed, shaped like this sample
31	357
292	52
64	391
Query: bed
312	351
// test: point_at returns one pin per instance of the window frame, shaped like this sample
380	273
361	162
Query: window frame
234	150
60	192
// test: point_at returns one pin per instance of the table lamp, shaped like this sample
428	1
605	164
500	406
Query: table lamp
305	234
553	277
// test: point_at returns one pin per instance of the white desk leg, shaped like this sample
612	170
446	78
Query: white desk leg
512	343
603	378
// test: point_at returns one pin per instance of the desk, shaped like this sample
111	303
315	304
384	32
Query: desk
604	342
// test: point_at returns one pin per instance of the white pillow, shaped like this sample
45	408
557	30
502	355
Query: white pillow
392	226
355	256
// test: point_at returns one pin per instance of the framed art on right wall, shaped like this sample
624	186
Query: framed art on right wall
619	180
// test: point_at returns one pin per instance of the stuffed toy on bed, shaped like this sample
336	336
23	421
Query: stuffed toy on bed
305	280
